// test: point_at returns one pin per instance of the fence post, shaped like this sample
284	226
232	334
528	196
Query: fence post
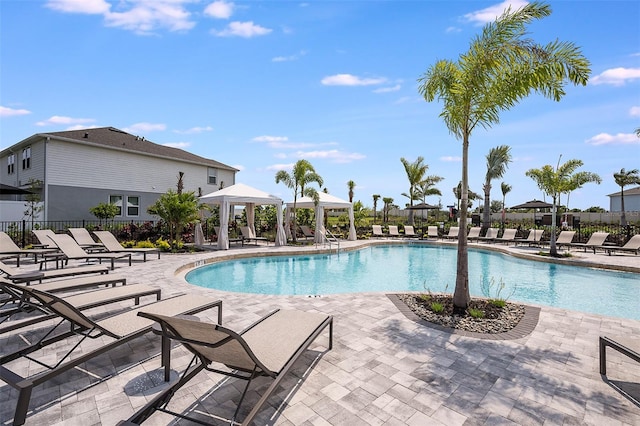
23	236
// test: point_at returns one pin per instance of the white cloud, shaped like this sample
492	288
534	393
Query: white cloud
11	112
145	17
92	7
388	89
289	58
451	30
451	159
242	29
278	167
145	128
270	139
617	76
634	111
80	127
180	145
194	130
280	155
219	10
618	139
333	155
351	80
57	120
490	13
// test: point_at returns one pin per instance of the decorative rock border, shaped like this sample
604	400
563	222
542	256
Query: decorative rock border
526	325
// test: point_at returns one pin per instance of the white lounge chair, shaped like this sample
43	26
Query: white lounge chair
596	239
631	246
393	231
84	239
377	231
248	235
453	233
410	232
10	248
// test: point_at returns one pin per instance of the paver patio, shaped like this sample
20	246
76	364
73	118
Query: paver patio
384	369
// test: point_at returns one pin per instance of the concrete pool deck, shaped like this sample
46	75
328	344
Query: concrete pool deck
384	369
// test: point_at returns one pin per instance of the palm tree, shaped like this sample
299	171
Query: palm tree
505	188
376	197
498	160
502	67
351	185
302	175
626	178
554	182
457	191
388	201
415	173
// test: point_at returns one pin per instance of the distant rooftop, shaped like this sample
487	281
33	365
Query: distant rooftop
632	191
119	139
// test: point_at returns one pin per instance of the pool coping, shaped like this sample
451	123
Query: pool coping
525	327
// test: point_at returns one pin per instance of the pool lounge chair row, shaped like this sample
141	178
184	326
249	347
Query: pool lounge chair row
267	348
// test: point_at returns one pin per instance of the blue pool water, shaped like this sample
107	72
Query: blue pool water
422	268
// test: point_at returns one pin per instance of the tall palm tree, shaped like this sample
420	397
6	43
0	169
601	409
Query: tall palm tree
415	173
498	160
505	188
457	191
388	201
502	67
351	185
559	180
302	175
626	178
376	197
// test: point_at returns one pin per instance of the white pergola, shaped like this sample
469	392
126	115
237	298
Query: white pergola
241	194
327	201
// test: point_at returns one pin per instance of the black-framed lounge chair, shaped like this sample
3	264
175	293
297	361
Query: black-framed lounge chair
628	346
112	245
44	237
72	251
307	233
534	238
240	240
248	235
10	248
20	276
565	238
474	233
84	239
121	328
269	347
409	232
453	233
376	231
81	301
508	236
393	231
631	246
492	234
596	239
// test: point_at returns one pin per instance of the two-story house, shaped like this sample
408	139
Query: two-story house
80	169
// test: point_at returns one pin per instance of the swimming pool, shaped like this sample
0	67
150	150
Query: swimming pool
400	268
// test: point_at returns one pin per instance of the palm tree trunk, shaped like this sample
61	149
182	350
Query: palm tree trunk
486	210
623	216
461	295
553	251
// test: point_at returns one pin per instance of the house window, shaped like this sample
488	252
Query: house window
26	158
133	206
213	176
117	201
11	164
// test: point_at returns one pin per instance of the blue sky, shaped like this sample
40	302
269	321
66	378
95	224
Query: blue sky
260	84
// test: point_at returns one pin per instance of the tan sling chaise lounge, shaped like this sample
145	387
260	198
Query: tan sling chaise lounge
19	276
112	245
72	251
86	300
121	328
270	347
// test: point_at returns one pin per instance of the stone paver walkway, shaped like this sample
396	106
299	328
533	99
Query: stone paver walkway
384	369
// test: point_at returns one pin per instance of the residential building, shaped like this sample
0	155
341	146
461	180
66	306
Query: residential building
80	169
631	200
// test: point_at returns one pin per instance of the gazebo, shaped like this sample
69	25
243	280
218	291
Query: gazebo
240	194
327	201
